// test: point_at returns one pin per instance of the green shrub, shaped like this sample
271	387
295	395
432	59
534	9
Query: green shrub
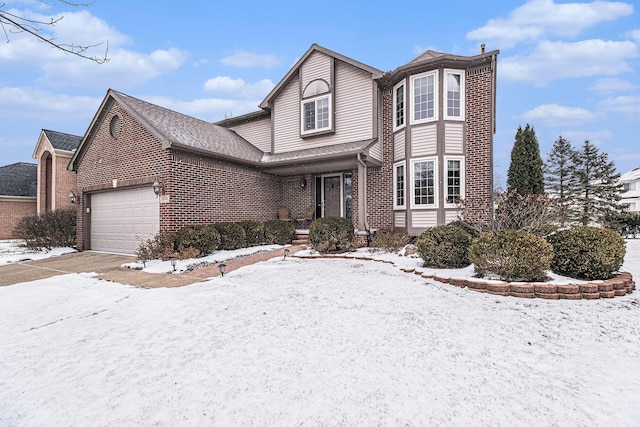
589	253
446	246
389	240
254	232
473	228
331	234
512	255
232	235
278	232
49	230
161	246
204	238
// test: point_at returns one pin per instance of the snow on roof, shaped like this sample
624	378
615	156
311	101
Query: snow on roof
632	175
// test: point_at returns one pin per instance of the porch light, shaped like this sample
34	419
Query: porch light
173	263
157	188
286	253
222	267
72	197
303	183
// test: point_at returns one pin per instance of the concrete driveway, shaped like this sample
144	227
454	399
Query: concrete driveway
106	265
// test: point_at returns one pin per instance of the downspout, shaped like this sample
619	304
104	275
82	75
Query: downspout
362	200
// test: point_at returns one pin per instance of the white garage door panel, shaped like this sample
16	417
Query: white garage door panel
121	219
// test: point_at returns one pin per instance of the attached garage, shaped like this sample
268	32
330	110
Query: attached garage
122	219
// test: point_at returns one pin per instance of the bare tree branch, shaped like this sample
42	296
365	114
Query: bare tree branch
15	24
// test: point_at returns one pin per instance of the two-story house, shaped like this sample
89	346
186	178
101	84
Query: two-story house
387	150
631	186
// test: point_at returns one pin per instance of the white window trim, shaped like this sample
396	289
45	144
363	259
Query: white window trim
462	97
412	187
395	182
445	184
303	131
436	97
404	90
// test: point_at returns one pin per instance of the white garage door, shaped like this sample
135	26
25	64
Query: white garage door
122	219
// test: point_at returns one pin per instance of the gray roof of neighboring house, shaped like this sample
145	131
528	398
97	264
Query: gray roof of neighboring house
62	141
19	179
182	131
632	175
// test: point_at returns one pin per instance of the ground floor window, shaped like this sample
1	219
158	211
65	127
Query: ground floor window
424	182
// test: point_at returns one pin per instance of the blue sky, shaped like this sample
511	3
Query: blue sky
566	68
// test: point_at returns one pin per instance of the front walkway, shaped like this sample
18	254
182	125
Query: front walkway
108	267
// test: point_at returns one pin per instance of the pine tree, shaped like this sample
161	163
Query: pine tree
599	189
560	176
525	171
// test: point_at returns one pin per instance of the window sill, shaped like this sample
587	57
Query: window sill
317	133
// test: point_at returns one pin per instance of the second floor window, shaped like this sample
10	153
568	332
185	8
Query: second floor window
316	115
454	95
424	97
398	106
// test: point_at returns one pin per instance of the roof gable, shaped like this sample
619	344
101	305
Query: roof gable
19	179
174	130
62	141
293	72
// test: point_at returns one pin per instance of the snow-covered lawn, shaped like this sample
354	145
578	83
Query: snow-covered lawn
314	342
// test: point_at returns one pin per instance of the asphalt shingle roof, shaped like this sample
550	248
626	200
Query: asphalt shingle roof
62	141
180	129
19	179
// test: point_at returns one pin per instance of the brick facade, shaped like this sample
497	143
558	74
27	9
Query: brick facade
12	210
55	182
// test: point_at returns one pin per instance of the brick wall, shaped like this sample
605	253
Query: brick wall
206	190
64	182
479	152
12	210
199	189
135	157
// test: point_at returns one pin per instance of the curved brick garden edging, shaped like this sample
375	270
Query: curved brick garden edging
618	286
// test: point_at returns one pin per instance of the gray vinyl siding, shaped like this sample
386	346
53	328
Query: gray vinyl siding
286	119
454	138
399	146
354	112
424	140
400	219
376	151
317	66
424	218
257	133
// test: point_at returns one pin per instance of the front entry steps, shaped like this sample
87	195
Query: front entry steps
302	238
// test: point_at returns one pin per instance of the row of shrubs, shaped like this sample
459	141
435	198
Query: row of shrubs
588	253
50	230
199	240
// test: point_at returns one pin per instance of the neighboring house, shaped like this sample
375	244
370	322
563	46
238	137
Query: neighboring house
631	186
55	183
17	195
387	150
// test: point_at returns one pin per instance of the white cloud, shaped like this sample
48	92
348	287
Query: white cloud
249	59
634	34
125	68
556	60
622	104
610	85
558	115
537	19
26	102
238	87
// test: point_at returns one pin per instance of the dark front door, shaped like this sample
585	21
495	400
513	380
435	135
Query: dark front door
332	195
